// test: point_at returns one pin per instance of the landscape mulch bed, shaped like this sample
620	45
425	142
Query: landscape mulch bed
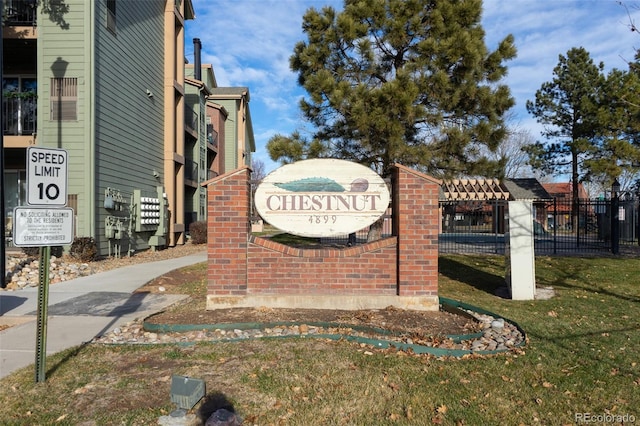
437	323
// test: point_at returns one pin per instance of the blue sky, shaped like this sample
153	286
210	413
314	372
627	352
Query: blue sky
249	43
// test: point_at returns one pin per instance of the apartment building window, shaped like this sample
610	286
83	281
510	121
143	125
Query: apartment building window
19	105
64	99
111	15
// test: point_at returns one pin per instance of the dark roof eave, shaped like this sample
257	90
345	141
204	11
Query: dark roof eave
189	11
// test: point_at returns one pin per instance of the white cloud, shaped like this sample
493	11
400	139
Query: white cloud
545	29
249	34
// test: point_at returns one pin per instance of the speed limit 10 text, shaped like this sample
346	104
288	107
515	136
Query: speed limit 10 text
47	164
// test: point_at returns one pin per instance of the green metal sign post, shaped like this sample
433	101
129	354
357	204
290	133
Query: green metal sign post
43	303
33	227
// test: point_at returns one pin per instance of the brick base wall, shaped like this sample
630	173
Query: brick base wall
279	269
245	270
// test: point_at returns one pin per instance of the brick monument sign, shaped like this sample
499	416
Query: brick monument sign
246	270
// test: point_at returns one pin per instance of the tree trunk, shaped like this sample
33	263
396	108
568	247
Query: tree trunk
574	193
375	230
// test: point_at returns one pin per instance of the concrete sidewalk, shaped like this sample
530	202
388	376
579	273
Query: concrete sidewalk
81	309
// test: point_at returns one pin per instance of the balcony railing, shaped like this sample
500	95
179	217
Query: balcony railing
190	119
20	12
19	116
190	170
212	136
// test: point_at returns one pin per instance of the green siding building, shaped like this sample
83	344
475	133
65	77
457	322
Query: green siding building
110	84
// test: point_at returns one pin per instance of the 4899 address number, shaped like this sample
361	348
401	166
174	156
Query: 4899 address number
322	219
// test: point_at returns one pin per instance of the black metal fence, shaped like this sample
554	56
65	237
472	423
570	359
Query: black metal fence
361	236
561	226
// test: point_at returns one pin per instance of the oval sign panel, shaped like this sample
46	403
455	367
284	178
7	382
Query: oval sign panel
322	197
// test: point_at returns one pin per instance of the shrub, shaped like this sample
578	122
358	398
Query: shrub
84	249
198	232
35	251
31	251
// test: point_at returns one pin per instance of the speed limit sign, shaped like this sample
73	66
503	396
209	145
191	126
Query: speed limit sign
46	176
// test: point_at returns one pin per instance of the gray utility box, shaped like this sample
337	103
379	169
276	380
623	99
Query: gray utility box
186	391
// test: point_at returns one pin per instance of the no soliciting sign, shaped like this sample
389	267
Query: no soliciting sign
34	227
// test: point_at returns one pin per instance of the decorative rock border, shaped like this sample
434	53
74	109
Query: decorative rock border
498	334
23	271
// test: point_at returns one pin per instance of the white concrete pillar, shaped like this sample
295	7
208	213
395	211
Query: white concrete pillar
520	262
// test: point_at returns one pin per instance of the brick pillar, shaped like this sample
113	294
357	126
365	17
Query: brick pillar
416	222
228	228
